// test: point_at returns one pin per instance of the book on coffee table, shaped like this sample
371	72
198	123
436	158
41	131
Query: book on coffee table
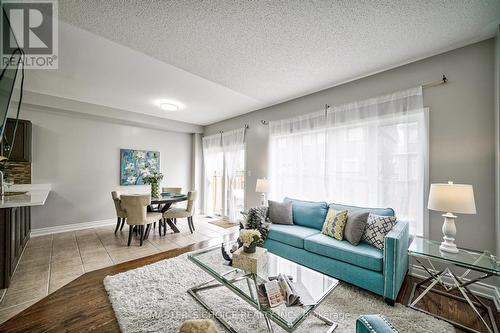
283	291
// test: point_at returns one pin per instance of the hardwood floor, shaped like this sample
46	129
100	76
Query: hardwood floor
83	306
457	311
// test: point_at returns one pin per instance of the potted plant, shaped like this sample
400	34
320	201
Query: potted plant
250	238
154	179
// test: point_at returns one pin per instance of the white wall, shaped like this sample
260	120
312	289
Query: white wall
462	129
80	158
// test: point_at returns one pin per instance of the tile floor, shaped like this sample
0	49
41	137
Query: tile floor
49	262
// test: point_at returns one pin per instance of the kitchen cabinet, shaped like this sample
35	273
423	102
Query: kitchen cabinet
15	228
21	145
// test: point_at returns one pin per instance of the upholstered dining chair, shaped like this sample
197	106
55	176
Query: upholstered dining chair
121	214
171	189
136	207
176	190
177	213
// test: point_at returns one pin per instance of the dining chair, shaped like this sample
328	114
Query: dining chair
121	214
136	207
175	190
177	213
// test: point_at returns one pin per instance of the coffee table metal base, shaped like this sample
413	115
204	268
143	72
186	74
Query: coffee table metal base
250	278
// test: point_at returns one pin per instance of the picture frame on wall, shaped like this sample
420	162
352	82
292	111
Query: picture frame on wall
137	164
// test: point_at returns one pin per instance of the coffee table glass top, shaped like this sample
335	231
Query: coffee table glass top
317	284
483	261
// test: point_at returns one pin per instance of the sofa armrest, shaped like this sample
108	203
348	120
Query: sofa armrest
374	324
395	259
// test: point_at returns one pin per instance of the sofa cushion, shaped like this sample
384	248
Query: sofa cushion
293	235
376	211
308	213
362	255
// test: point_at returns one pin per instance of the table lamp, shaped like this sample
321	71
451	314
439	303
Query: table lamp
451	198
262	187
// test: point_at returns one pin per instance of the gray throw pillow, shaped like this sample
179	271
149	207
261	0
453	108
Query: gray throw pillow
280	212
355	226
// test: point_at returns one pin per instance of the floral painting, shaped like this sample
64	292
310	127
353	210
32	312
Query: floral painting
137	164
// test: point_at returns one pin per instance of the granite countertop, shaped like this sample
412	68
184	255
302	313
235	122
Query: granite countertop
36	195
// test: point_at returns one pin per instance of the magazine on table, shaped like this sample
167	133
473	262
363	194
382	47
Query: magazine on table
283	291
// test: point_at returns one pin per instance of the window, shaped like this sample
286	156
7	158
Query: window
371	153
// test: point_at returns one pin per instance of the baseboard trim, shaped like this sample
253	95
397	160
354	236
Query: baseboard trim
479	288
71	227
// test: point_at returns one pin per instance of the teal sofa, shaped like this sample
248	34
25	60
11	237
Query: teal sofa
374	324
379	271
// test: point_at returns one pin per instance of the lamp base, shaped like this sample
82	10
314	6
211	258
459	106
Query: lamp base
263	201
447	247
449	232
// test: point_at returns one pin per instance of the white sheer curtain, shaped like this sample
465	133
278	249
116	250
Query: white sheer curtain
213	162
376	155
233	146
368	153
297	157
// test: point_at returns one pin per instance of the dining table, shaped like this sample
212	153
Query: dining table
163	203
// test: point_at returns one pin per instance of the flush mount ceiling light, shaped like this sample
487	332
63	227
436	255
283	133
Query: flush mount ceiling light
169	107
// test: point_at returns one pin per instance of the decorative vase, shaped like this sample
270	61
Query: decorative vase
250	249
155	190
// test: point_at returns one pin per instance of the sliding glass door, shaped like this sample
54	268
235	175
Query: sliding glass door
215	184
235	186
224	159
213	160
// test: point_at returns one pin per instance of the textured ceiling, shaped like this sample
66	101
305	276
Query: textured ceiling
95	70
276	50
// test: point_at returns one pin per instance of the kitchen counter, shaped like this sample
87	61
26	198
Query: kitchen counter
36	196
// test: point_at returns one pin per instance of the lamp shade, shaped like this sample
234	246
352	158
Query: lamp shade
452	198
261	185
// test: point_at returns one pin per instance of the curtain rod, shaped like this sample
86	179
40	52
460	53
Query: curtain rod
245	127
443	80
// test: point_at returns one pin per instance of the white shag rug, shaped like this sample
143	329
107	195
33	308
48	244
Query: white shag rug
154	298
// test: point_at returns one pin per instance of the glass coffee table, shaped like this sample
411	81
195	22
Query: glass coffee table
244	286
483	264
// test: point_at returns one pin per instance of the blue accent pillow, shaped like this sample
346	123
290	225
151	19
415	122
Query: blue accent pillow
376	211
308	213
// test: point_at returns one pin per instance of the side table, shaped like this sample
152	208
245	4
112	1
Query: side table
425	252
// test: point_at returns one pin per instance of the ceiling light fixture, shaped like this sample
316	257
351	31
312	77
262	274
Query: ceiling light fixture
169	107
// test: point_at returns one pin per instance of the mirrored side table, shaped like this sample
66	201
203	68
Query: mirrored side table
442	268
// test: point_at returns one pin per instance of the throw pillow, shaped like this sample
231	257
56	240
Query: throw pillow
377	228
355	226
257	219
280	212
334	223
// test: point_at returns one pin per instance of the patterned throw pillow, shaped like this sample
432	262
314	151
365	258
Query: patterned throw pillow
335	223
376	229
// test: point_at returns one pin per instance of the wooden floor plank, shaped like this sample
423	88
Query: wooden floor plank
83	305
